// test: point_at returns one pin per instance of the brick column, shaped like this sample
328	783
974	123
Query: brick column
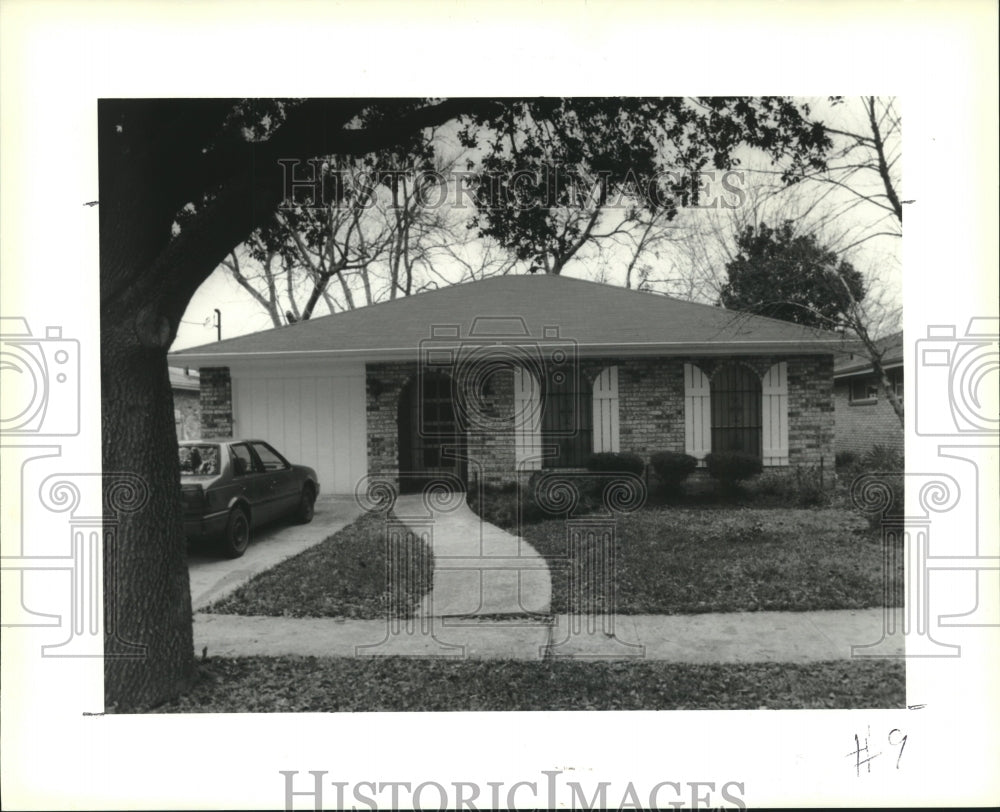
216	397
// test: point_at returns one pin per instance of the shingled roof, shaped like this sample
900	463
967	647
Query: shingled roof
857	363
520	311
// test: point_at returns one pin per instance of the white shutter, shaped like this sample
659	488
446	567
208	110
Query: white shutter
606	410
527	420
697	413
774	413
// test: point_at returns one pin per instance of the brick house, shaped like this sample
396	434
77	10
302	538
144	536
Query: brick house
864	416
492	380
186	387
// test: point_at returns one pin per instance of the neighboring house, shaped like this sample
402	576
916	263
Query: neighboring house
865	417
185	386
491	380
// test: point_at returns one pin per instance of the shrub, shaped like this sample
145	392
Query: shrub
616	463
672	468
881	459
499	505
846	459
731	467
888	464
804	486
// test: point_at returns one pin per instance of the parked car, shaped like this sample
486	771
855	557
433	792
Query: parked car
232	486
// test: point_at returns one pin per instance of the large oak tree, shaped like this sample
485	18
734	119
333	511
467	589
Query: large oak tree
183	182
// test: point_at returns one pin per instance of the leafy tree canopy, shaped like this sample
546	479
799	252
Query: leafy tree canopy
790	276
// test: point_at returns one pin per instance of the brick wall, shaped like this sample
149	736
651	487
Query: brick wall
810	410
651	402
861	425
489	438
187	414
384	384
490	424
216	399
651	410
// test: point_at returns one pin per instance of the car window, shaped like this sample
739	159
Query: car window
272	460
199	460
243	462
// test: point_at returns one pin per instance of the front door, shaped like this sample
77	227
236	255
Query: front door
430	443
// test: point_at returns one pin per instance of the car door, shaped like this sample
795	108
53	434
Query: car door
283	486
249	478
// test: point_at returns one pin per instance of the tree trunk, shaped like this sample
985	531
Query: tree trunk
888	390
147	590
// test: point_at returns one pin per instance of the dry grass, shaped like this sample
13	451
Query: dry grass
290	684
344	576
684	560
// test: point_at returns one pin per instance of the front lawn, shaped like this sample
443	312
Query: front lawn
685	560
298	684
344	576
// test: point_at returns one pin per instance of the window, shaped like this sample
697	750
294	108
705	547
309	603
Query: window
736	410
273	461
864	390
199	460
243	462
567	410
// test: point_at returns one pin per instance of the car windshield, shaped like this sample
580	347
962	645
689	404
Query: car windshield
199	460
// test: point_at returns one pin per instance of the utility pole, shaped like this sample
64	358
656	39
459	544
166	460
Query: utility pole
218	324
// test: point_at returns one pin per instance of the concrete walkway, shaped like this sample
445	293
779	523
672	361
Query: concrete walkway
707	638
214	577
479	569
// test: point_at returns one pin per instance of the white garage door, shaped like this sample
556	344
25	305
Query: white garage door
313	415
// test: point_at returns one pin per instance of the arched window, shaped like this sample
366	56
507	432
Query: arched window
736	410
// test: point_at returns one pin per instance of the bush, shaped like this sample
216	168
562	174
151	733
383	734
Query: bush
889	465
616	463
731	467
882	459
846	459
672	468
499	505
804	486
575	491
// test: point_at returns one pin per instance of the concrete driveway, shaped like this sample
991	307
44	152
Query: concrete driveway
213	577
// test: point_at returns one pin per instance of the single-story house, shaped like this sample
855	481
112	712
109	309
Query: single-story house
494	379
864	416
186	389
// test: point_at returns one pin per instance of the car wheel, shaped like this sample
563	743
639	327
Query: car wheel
307	505
237	537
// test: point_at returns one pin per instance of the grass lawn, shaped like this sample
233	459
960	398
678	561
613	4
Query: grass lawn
289	684
343	576
685	560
